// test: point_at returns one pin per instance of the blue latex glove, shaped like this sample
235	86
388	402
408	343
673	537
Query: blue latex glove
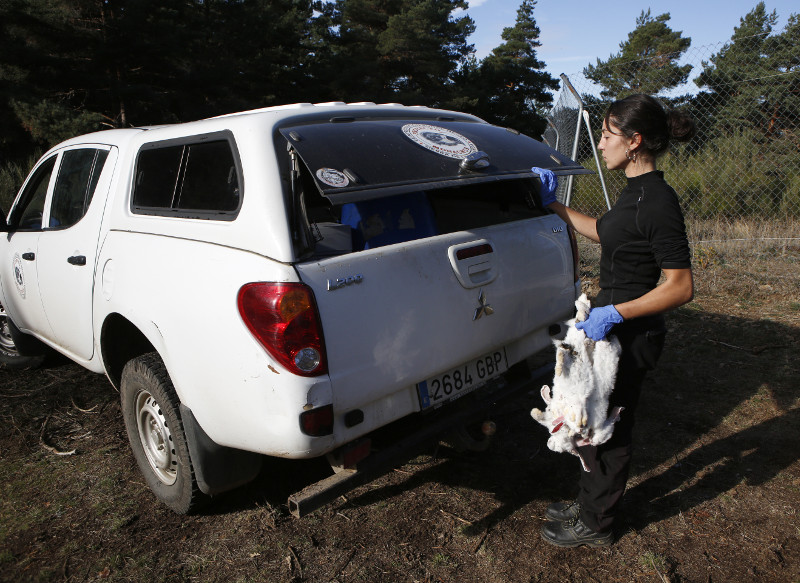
599	322
549	185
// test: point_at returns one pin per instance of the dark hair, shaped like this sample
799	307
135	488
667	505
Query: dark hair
644	115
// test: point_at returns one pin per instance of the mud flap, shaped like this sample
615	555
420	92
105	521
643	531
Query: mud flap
217	468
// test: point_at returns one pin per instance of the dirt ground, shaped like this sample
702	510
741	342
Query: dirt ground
714	493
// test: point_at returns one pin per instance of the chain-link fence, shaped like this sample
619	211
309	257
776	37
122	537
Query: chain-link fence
738	179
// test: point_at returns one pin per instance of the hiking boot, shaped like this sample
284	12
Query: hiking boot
563	511
573	533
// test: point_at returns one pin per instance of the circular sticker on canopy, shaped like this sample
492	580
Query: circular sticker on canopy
332	177
440	140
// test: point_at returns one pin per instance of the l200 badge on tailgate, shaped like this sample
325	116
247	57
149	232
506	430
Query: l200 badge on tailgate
340	282
440	140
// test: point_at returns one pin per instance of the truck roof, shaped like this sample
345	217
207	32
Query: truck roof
278	114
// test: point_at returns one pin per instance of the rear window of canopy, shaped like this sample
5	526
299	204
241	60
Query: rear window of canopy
357	159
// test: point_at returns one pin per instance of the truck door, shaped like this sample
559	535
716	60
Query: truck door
19	253
68	246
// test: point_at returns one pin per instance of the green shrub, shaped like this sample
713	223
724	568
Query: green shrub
790	203
732	176
12	175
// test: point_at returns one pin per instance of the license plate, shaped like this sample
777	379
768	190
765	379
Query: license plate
462	379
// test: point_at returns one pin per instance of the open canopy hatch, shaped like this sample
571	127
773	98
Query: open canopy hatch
358	159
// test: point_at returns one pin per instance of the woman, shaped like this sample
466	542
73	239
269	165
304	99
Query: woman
642	237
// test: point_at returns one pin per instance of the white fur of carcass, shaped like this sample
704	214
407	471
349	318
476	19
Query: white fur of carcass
577	408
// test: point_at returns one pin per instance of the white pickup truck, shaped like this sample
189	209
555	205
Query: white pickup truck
286	281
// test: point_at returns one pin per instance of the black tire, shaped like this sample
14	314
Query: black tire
151	410
469	438
10	355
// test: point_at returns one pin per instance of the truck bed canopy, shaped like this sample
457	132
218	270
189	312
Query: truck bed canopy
359	159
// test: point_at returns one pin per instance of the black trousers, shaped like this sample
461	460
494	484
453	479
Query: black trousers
602	487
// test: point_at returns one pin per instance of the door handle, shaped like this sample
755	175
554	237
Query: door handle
473	263
77	260
29	256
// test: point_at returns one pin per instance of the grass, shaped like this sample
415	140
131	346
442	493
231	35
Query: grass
717	241
654	562
755	263
441	560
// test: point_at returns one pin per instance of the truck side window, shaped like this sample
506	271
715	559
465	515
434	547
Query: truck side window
27	215
193	179
210	181
77	178
157	177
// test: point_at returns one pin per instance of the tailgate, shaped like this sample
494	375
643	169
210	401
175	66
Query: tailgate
394	316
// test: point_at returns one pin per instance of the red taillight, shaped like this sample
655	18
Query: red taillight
283	318
317	422
576	260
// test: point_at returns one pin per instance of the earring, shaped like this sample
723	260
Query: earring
630	157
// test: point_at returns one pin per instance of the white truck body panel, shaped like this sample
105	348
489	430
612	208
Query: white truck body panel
401	334
66	289
175	279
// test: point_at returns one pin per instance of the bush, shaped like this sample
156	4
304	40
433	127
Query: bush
732	176
790	203
12	175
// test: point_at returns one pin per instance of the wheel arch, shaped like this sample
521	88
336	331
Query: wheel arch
120	341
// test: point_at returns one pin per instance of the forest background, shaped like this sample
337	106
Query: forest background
73	66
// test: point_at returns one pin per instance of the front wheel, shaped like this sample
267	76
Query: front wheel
151	410
10	355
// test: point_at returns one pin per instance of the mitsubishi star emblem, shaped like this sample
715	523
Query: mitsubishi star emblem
483	307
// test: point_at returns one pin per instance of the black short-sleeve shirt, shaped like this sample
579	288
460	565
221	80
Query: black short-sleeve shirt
643	233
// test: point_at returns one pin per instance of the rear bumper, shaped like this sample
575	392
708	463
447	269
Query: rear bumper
402	440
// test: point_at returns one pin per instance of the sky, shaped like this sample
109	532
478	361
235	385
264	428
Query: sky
575	33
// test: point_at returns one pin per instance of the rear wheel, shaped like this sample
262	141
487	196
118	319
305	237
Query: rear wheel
472	437
151	411
10	355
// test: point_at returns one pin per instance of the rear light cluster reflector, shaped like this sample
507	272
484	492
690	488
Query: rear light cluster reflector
317	422
283	317
470	252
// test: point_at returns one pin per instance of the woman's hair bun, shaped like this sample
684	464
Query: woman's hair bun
643	114
681	127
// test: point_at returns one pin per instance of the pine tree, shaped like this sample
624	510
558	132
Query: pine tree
783	108
250	53
754	79
751	103
399	50
423	46
512	87
42	88
74	66
646	63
